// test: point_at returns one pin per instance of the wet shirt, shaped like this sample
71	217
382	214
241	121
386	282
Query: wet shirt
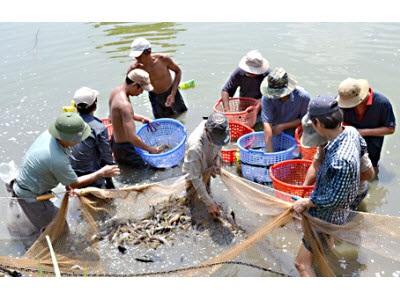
200	157
45	165
274	111
338	178
249	87
378	114
94	152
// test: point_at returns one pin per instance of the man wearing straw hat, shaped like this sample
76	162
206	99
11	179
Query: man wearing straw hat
203	159
369	111
45	165
252	69
338	177
284	103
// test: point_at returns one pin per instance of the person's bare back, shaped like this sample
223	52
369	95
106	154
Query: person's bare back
159	71
119	105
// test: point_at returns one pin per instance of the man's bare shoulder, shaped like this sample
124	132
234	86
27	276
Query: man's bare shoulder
135	65
162	57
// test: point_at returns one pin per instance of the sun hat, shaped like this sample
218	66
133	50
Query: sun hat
142	78
278	84
352	92
309	137
321	106
138	46
70	127
85	95
253	62
218	127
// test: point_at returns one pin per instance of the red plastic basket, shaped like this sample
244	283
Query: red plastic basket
288	176
306	152
236	131
237	110
107	123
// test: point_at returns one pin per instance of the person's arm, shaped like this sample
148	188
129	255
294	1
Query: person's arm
171	65
85	180
130	133
312	171
192	169
380	131
268	137
141	119
277	129
340	175
366	168
225	100
229	88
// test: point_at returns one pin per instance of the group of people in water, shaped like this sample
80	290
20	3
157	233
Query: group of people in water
76	150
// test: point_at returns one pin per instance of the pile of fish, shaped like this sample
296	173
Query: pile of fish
157	228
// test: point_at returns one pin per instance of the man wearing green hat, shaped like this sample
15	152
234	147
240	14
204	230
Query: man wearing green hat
45	165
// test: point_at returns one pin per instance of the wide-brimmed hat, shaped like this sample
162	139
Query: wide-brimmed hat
142	78
70	127
218	128
85	95
352	92
253	62
309	137
278	84
138	46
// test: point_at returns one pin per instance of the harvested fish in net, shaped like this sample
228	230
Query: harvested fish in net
156	229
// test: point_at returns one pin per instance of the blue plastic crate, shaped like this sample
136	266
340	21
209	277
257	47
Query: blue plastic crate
255	161
169	132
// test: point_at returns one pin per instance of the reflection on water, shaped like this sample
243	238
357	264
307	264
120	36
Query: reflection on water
160	34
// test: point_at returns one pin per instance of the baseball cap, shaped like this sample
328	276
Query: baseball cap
218	127
70	127
85	95
322	105
138	46
142	78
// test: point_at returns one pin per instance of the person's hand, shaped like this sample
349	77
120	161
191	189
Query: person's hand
214	210
301	205
109	171
216	170
277	129
170	101
146	120
249	109
155	150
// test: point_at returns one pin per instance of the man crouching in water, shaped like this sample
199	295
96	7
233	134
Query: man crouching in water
166	101
122	117
203	159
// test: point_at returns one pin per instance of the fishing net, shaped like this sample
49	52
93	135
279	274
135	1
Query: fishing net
149	230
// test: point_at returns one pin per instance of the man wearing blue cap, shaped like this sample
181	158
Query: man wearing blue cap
338	177
203	159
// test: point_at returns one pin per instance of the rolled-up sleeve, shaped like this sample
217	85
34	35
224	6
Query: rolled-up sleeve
232	84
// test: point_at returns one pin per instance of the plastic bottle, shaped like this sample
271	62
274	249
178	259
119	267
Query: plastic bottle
187	85
70	108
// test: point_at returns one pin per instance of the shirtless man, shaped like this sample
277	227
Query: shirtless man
166	100
121	114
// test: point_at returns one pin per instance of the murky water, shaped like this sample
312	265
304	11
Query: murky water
42	64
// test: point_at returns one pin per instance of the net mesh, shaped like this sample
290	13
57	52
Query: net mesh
270	231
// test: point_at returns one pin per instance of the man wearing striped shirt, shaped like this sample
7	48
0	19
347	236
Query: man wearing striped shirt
338	177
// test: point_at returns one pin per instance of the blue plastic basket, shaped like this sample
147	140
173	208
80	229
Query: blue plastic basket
169	132
255	162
